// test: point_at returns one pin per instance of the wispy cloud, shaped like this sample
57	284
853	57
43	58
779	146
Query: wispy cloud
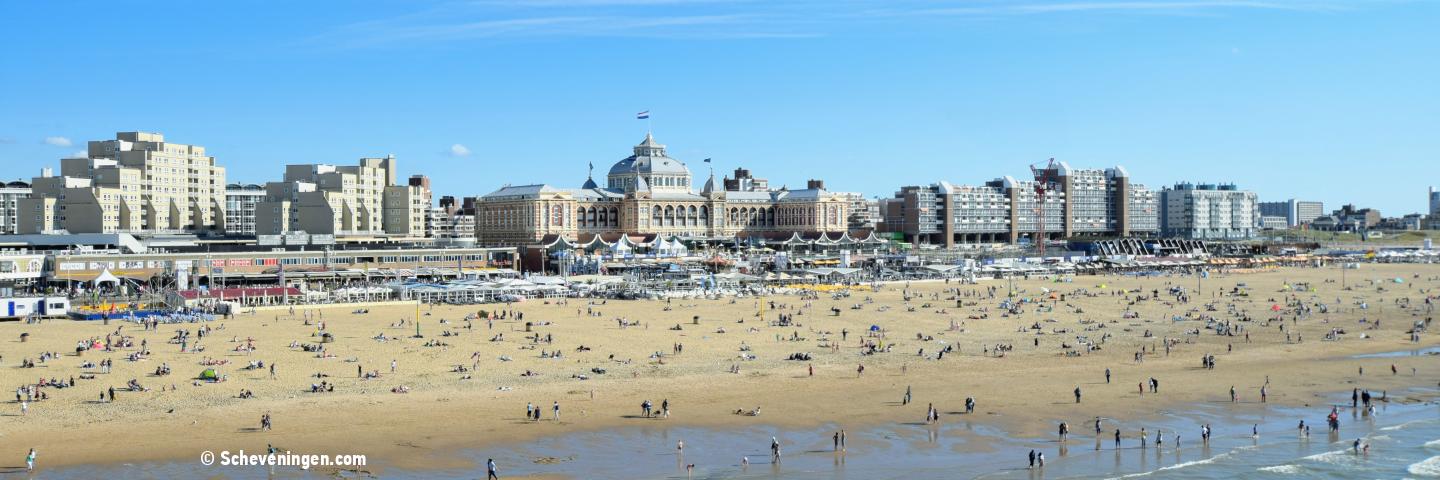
458	150
58	141
732	19
1059	7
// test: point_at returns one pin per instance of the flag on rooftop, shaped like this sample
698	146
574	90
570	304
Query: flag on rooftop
642	115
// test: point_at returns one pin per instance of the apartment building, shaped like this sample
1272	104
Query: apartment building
1208	212
136	183
241	201
10	195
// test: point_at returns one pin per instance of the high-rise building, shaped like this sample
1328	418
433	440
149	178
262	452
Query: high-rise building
1295	212
452	222
744	182
240	204
10	195
406	207
328	199
1208	212
864	213
1434	202
1084	203
136	183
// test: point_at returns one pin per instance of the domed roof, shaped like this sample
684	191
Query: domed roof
649	158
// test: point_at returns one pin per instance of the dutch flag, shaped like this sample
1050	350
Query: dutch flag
642	115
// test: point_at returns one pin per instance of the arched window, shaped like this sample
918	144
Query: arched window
614	217
692	217
669	216
704	215
656	218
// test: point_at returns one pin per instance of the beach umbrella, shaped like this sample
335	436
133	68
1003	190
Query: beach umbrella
874	328
1275	308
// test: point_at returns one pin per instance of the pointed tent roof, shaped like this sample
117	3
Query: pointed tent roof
553	241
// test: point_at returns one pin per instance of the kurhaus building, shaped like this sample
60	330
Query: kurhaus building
650	193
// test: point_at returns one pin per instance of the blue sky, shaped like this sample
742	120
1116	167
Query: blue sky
1336	100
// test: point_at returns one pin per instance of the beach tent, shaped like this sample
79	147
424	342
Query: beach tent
874	328
106	277
209	374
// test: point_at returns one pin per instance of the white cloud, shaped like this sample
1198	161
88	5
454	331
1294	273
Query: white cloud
80	154
458	150
58	141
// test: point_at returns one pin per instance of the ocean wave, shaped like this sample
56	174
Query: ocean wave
1203	461
1432	444
1406	424
1430	467
1291	469
1335	457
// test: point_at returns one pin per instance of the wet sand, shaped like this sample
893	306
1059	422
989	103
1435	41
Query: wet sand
1026	393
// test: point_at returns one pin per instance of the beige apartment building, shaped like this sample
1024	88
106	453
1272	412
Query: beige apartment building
324	199
406	207
137	183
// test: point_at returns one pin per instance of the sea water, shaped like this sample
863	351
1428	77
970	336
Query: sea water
1404	442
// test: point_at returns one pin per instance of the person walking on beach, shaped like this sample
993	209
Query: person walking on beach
556	410
1232	394
393	364
842	439
836	447
774	449
1032	458
1117	439
906	399
1041	458
30	461
1142	438
1264	393
1064	430
1077	394
1107	375
491	473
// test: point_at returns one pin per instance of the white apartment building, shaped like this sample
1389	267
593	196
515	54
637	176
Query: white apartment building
1208	212
10	195
240	204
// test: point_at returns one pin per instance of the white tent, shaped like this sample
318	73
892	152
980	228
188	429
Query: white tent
106	277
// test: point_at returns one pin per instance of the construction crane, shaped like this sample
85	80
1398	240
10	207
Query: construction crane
1046	182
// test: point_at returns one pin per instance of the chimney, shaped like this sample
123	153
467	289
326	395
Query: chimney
814	184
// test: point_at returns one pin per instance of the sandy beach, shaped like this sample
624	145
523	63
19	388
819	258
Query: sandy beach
1028	390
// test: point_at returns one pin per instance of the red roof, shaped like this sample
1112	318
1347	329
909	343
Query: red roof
240	292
